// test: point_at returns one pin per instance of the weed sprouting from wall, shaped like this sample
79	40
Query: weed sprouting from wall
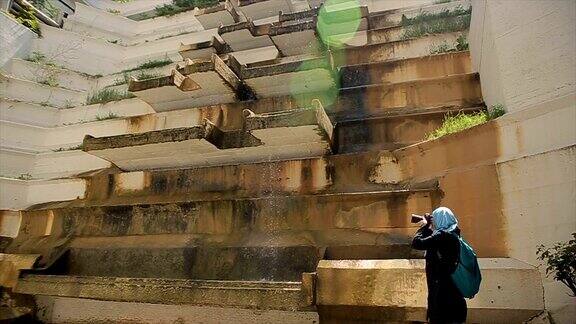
110	115
461	44
108	95
151	64
462	121
71	148
446	21
496	111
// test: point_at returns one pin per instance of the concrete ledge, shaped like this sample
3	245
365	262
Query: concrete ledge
194	83
242	294
375	100
294	133
511	291
12	264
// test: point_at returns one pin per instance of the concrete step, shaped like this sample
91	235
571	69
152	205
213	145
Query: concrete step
102	24
78	310
392	18
460	90
242	294
272	136
19	194
33	114
381	209
34	92
50	165
401	49
44	71
359	172
193	84
395	291
392	131
95	56
248	255
401	70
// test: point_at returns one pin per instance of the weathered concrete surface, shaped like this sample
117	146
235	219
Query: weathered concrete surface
288	134
67	310
361	172
401	70
526	56
243	294
195	83
394	130
375	100
384	209
378	52
395	290
12	264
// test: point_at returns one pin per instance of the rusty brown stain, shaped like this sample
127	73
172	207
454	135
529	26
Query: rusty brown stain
464	163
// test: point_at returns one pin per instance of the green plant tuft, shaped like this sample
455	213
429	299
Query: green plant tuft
462	121
457	123
496	111
108	95
110	115
461	43
146	76
179	6
151	64
27	18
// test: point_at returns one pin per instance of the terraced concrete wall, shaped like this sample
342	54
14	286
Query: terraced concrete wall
16	39
524	52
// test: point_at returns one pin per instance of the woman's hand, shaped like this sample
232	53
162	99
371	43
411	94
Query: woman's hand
428	219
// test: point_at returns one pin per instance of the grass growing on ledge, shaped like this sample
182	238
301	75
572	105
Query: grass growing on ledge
461	44
456	123
151	64
71	148
446	21
108	95
179	6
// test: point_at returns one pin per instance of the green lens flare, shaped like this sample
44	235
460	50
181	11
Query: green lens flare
314	80
338	21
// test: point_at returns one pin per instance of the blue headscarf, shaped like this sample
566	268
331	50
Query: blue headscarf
443	219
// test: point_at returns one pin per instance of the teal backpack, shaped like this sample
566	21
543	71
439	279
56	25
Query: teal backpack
467	276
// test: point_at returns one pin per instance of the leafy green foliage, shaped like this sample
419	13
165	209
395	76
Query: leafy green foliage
561	261
27	18
166	10
151	64
461	44
496	111
108	95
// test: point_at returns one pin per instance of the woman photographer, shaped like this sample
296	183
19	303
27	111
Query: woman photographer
438	237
